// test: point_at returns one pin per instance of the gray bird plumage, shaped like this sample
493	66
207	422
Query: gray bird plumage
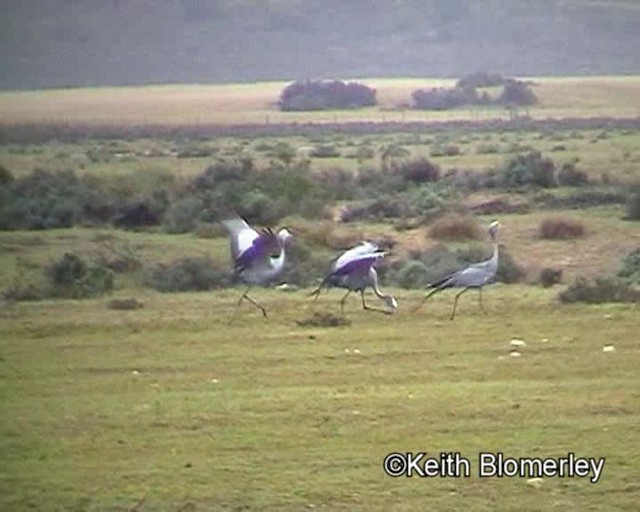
258	257
474	276
354	270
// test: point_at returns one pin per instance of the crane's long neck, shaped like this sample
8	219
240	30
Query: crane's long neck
277	263
494	258
374	285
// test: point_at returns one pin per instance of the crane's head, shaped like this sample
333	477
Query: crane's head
391	303
283	235
493	229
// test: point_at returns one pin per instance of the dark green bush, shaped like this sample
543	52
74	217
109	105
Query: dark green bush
570	176
633	204
5	176
600	290
529	169
550	276
325	94
418	170
442	98
433	264
412	274
630	269
186	274
516	92
325	151
481	79
71	277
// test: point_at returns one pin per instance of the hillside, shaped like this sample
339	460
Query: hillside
72	43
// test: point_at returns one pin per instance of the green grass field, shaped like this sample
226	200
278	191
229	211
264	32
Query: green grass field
173	408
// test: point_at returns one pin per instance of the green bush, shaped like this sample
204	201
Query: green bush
570	176
600	290
412	274
71	277
630	269
529	169
633	204
186	274
433	264
418	170
550	276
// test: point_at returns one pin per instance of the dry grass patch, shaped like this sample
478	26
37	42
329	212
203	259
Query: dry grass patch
456	227
561	228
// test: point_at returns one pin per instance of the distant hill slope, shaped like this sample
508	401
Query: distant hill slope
53	43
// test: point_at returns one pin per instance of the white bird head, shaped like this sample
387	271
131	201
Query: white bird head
391	302
283	235
493	229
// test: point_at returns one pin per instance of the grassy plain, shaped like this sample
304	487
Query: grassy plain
600	96
172	408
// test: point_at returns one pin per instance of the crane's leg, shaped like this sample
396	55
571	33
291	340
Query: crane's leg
433	292
245	295
370	308
342	301
455	302
261	308
480	299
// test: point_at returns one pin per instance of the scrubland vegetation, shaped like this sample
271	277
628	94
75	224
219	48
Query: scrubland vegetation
128	388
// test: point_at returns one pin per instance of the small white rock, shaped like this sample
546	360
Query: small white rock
518	343
214	381
608	316
545	340
608	348
135	372
347	351
356	351
515	353
535	482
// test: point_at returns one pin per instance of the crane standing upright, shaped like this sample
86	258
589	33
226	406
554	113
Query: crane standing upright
474	276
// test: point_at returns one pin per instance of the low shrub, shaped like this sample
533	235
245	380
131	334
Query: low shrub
561	229
598	291
447	150
412	274
186	274
630	269
550	276
529	168
570	176
71	277
126	304
418	170
633	204
325	151
580	199
455	227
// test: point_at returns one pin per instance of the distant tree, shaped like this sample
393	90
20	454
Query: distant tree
481	79
516	92
441	98
326	94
